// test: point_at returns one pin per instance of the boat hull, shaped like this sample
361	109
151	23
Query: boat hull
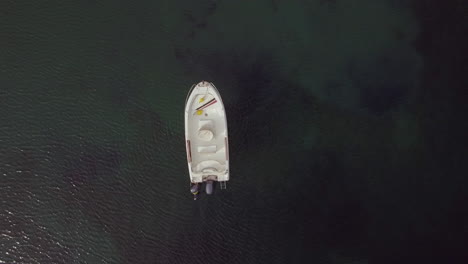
206	134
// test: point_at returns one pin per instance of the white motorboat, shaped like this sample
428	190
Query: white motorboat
206	138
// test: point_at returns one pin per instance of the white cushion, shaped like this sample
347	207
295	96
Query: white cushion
205	124
207	149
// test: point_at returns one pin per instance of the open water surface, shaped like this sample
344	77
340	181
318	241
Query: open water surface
346	122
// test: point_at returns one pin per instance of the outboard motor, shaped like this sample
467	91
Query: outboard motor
209	187
194	190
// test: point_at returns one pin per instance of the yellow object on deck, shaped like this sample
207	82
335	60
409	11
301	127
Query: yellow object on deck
202	99
199	112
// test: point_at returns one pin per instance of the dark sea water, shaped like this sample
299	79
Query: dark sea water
346	118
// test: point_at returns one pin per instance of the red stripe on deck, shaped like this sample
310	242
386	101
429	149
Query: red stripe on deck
214	99
212	103
189	151
227	147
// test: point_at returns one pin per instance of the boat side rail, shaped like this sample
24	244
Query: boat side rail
189	93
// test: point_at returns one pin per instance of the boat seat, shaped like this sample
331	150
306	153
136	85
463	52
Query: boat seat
208	166
205	135
207	149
